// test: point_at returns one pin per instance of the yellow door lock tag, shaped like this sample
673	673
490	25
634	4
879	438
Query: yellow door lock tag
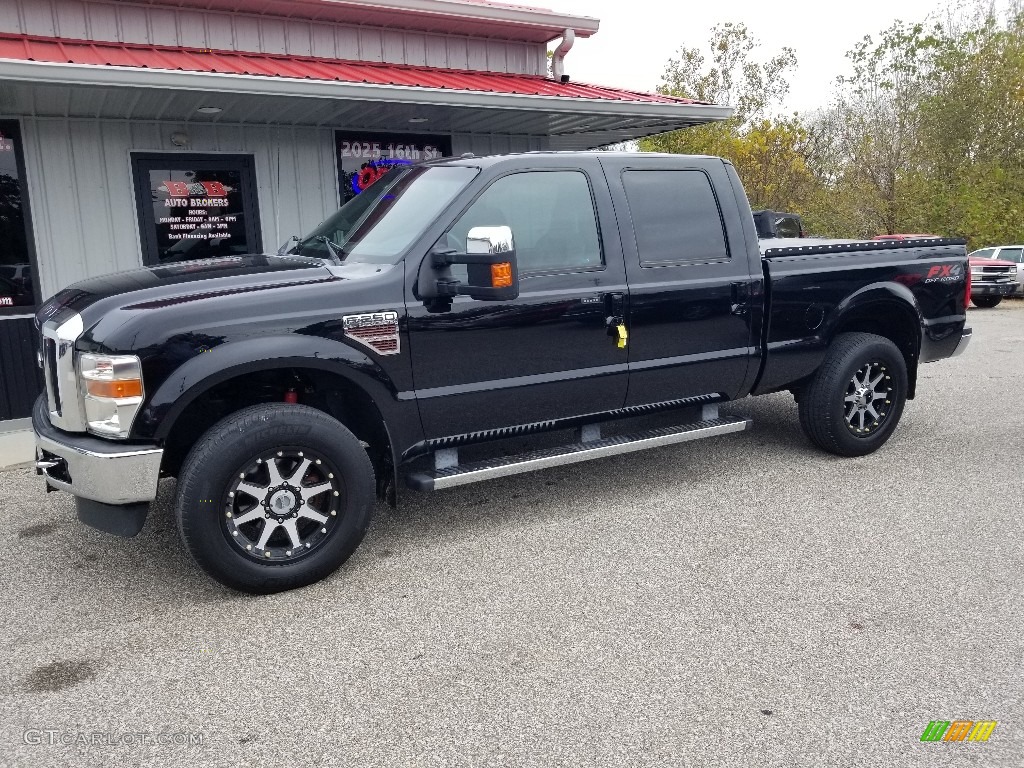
621	336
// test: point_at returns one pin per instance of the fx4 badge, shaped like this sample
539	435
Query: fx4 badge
377	330
945	273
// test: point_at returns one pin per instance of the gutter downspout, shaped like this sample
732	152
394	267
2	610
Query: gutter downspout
558	57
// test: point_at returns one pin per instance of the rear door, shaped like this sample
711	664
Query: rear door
693	316
547	354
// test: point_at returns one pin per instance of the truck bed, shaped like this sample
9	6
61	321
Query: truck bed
871	285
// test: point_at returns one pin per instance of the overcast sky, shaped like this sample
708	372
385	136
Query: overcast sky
637	37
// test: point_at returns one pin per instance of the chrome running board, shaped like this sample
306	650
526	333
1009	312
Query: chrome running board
448	475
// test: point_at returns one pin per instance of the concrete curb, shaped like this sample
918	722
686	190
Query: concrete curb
17	449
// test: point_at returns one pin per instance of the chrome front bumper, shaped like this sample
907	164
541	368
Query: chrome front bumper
965	342
95	469
994	289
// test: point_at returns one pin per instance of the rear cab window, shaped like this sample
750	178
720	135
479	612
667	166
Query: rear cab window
676	217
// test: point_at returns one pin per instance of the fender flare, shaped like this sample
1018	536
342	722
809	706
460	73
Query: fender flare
886	295
892	294
226	361
201	373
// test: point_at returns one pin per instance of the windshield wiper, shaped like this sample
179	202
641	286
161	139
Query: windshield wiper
283	250
336	251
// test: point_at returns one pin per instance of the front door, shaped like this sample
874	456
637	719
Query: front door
547	354
196	206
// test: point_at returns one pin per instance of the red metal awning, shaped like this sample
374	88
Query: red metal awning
169	58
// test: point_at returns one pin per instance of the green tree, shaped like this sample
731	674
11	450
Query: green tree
925	133
770	156
873	137
730	75
972	132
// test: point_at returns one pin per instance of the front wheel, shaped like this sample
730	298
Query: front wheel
856	398
986	302
274	497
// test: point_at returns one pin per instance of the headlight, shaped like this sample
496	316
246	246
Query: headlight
112	392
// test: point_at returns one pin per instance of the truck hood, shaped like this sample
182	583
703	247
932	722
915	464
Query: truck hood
979	262
227	298
182	281
109	296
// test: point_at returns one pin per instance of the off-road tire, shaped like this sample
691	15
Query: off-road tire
325	526
825	404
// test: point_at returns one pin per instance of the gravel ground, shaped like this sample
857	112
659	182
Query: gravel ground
741	601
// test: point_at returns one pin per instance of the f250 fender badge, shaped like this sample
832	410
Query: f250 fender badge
376	330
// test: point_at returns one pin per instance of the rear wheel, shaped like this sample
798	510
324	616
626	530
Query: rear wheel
274	497
856	398
986	302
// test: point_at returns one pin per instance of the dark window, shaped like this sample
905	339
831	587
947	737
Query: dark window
551	214
675	217
365	157
17	278
196	206
787	225
1011	254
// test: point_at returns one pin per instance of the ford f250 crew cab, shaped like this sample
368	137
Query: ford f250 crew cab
559	306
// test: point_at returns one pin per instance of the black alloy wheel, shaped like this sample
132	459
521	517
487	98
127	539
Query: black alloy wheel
283	505
869	398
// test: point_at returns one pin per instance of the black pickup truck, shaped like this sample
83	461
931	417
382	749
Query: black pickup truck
552	302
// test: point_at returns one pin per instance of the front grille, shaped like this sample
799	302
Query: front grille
58	348
50	369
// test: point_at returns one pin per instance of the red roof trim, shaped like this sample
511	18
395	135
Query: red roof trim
95	53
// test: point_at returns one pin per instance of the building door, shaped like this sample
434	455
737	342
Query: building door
20	379
196	206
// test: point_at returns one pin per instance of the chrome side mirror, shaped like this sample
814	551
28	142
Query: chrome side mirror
492	273
489	240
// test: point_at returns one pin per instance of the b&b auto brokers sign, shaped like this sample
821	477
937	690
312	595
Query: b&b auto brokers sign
196	210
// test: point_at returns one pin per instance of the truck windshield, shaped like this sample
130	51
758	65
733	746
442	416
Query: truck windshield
379	224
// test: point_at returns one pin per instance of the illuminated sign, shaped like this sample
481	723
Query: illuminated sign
364	158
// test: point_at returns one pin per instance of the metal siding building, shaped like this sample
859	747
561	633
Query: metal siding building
267	99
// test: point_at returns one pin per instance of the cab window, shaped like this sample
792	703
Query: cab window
551	214
676	218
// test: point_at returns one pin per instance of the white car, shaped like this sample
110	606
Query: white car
1014	253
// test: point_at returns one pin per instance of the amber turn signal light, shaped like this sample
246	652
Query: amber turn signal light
118	389
501	275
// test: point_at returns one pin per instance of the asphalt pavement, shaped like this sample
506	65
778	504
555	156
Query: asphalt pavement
740	601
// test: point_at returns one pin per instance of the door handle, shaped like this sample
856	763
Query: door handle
614	308
740	296
615	320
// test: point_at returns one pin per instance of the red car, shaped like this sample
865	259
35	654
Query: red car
991	279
